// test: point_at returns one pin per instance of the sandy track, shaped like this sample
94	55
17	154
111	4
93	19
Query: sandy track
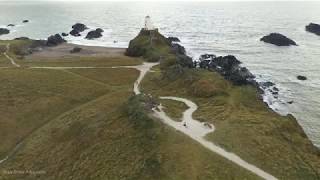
197	131
8	57
193	128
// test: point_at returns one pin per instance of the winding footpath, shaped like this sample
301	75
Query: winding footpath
193	128
8	57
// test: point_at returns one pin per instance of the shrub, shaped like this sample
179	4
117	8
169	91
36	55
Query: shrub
137	114
204	89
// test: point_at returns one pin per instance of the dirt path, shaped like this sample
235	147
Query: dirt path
8	57
189	126
195	129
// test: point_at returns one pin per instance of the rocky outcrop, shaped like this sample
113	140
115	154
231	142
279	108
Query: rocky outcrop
141	45
55	40
313	28
77	28
4	31
177	48
99	30
302	78
173	39
278	39
75	33
64	34
76	50
22	38
229	67
182	58
94	34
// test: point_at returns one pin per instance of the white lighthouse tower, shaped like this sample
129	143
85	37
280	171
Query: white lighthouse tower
148	24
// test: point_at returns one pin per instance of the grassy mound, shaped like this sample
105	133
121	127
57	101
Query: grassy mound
154	47
151	45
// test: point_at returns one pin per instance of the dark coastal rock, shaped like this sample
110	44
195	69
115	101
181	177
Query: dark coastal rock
99	30
76	50
278	39
11	25
79	27
182	59
173	39
290	102
177	48
229	67
267	84
22	38
25	21
207	57
55	40
75	33
313	28
64	34
4	31
94	34
185	61
302	78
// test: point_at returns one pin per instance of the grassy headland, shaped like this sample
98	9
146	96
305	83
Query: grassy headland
244	124
86	123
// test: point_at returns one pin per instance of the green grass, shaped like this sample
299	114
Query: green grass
85	124
31	98
244	124
95	136
82	62
174	109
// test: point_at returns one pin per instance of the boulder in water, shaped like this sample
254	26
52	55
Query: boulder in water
278	39
79	27
94	34
64	34
22	38
11	25
99	30
25	21
4	31
75	33
302	78
55	40
313	28
173	39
